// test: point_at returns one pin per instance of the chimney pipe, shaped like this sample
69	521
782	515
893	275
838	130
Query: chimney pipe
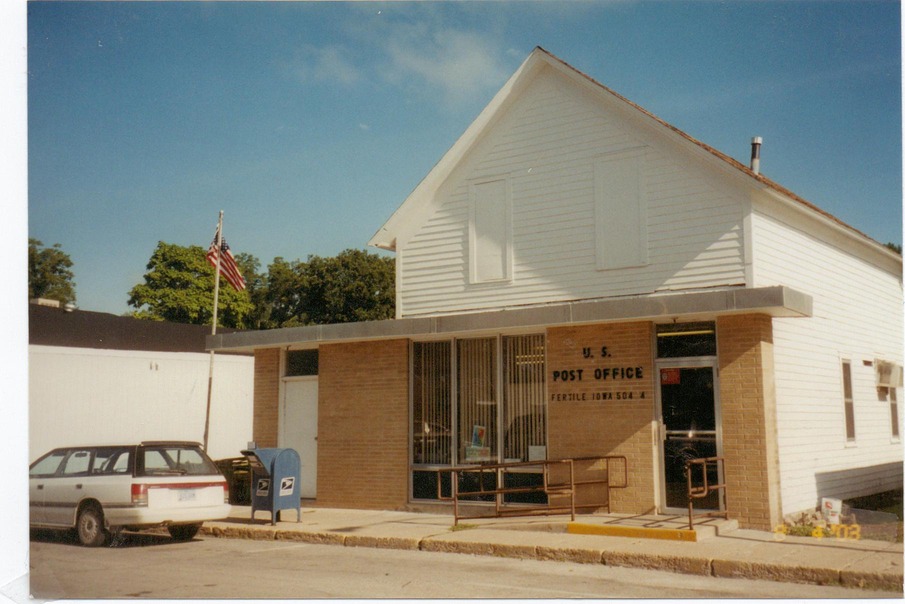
755	154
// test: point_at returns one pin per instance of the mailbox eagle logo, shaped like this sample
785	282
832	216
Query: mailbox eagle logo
263	487
287	485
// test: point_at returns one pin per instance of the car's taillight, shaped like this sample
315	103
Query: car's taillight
139	494
225	491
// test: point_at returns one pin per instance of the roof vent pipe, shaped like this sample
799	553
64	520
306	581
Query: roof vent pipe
755	154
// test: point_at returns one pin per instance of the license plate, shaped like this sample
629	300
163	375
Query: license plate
187	495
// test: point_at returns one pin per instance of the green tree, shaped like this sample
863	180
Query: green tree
48	273
353	286
284	295
255	287
895	247
179	287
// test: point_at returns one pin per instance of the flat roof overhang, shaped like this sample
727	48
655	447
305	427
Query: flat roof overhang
777	301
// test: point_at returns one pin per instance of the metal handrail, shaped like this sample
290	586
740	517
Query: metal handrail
547	487
704	489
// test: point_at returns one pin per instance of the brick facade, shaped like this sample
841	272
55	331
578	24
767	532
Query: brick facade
595	413
600	402
748	406
266	397
363	410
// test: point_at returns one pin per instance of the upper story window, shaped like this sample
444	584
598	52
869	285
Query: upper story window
301	363
490	231
620	210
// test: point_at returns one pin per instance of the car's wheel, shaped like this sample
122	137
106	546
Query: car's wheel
90	526
183	532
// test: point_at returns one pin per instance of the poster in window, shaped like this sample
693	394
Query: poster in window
478	435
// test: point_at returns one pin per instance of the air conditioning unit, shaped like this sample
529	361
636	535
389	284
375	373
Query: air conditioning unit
889	375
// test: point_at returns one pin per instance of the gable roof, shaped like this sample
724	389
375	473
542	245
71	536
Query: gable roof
409	214
50	326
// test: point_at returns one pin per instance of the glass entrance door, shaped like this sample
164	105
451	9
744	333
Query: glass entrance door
688	404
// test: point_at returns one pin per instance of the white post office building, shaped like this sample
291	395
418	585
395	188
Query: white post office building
576	277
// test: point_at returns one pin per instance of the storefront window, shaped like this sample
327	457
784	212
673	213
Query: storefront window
524	392
431	406
497	399
477	364
681	340
431	416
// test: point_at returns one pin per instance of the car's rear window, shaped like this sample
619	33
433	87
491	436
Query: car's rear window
158	460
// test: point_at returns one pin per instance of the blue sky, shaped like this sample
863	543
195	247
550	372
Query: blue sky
309	123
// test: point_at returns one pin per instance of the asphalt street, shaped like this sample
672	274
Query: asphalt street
154	566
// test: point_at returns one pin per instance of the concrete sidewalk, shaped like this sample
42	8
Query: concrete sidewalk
721	550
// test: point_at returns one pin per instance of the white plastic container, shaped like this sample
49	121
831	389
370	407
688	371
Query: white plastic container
831	509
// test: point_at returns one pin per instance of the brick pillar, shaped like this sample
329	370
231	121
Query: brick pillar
266	397
748	409
363	425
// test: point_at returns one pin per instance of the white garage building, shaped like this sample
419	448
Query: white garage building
98	378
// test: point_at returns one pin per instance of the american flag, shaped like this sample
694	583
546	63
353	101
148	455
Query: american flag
228	267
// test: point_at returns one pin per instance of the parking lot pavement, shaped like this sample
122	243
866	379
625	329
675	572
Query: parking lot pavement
730	552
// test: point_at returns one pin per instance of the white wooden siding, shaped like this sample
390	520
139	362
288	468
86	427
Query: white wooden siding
547	144
81	396
857	315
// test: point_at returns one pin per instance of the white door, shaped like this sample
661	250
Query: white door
298	428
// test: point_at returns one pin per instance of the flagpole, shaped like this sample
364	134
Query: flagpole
210	375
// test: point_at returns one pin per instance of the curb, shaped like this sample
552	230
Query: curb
715	567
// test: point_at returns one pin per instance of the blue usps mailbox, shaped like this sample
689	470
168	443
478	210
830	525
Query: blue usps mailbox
275	481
